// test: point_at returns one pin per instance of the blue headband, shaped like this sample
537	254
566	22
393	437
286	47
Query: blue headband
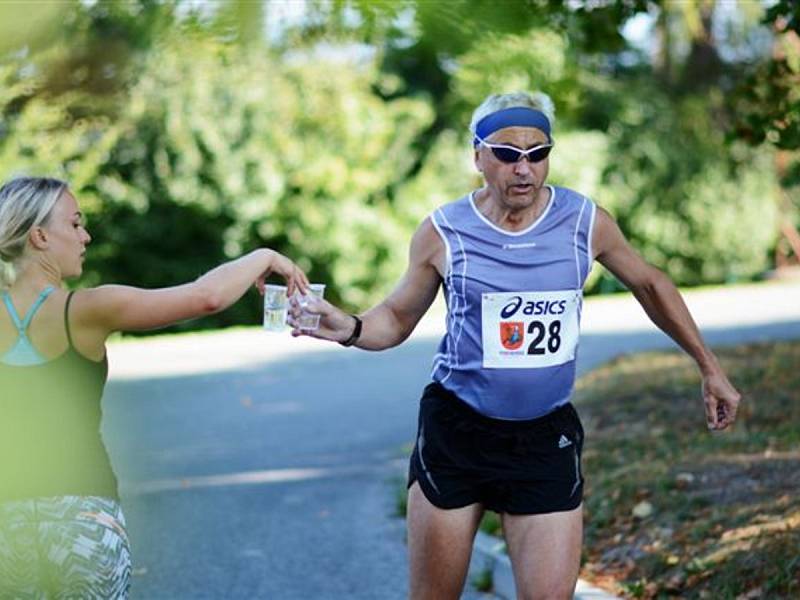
517	116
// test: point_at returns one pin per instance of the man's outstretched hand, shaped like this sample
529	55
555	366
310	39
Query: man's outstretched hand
335	325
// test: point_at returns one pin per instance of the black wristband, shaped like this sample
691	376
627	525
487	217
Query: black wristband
355	335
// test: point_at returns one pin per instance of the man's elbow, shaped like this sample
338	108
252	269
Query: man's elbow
650	282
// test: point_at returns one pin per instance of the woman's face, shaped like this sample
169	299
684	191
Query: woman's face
66	236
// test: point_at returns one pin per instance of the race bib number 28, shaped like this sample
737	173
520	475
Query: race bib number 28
528	330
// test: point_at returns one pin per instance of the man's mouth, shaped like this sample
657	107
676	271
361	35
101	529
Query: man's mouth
521	188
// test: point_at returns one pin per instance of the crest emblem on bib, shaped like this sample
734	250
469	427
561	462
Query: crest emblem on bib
512	334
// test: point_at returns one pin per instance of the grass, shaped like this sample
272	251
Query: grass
140	337
483	581
719	513
400	497
490	523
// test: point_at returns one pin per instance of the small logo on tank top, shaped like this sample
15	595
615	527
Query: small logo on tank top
563	442
512	334
521	245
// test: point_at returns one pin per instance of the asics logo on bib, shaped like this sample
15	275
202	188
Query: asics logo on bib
540	307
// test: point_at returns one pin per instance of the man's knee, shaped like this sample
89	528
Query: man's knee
554	582
549	590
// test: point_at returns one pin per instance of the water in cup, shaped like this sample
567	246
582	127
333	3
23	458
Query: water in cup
309	321
275	302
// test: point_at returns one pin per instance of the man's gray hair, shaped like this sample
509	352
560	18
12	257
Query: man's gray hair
25	203
493	103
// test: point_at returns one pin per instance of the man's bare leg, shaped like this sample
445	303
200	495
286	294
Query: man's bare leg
545	553
439	546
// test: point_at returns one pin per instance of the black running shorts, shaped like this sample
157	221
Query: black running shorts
517	467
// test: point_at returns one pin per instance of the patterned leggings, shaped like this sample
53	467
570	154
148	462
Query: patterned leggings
64	547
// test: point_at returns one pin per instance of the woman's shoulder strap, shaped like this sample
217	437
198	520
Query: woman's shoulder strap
66	319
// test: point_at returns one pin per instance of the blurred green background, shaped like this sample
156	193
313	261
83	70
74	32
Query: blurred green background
193	131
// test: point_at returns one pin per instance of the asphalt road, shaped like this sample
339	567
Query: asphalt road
249	472
310	455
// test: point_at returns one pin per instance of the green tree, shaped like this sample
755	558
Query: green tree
192	135
767	109
703	215
219	149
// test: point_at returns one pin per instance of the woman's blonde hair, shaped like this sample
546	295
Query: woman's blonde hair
25	203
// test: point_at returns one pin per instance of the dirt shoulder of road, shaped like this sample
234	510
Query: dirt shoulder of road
674	510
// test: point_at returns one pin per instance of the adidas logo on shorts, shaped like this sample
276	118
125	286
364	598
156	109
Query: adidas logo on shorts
563	442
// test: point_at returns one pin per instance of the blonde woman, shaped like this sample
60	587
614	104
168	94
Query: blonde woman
62	531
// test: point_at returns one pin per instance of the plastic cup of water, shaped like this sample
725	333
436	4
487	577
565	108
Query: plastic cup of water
309	321
275	304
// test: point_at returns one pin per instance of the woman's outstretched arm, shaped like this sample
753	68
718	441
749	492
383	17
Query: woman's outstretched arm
109	308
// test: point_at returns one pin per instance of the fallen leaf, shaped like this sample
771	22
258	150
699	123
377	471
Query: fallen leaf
642	510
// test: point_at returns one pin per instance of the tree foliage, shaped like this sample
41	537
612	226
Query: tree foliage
193	132
220	149
702	214
768	101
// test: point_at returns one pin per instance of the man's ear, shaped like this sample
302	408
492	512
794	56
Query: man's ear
38	238
476	160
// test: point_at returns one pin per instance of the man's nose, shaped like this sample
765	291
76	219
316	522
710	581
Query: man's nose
523	166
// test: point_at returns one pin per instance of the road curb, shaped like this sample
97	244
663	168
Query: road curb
491	557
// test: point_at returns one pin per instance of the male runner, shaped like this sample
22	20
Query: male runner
496	427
